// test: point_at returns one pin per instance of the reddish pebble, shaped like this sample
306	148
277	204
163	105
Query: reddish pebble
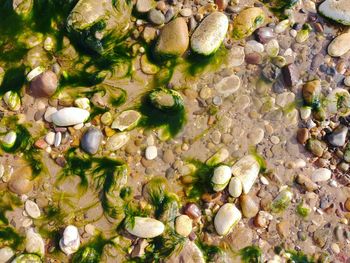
40	144
193	211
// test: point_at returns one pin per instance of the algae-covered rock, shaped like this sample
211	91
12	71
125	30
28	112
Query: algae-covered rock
247	22
99	24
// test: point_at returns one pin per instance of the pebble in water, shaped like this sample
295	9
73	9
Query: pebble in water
32	209
151	152
91	140
70	241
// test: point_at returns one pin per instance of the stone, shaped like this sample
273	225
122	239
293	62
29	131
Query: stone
151	152
145	227
235	56
253	58
173	39
156	17
34	243
291	75
306	182
221	177
186	12
320	236
338	136
192	210
285	99
48	113
32	209
311	92
6	253
12	100
70	241
235	187
70	116
264	34
337	10
20	182
44	85
226	218
316	147
143	6
228	85
210	33
347	204
249	207
50	138
303	135
256	136
183	225
283	228
147	67
127	120
247	21
340	45
117	141
253	46
321	175
91	140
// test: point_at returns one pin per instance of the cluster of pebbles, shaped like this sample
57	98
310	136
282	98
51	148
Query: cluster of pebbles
283	82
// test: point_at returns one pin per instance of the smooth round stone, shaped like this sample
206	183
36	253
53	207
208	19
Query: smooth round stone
235	187
248	205
247	21
183	225
337	10
340	45
236	56
264	34
20	182
256	136
32	209
143	6
305	112
145	227
321	175
338	136
70	241
44	85
6	253
70	116
221	177
228	85
156	17
91	140
50	138
210	33
117	141
48	113
186	12
34	243
82	103
272	48
253	46
126	120
173	39
151	152
226	218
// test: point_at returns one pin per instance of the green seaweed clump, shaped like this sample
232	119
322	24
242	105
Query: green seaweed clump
251	254
209	251
279	6
9	237
92	251
299	257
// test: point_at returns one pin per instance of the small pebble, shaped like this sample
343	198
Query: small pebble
151	152
32	209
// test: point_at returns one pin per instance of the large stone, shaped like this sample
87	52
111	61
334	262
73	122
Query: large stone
91	140
338	136
337	10
311	91
209	35
247	21
173	39
20	182
340	45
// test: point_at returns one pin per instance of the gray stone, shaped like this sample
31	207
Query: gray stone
91	140
156	17
338	136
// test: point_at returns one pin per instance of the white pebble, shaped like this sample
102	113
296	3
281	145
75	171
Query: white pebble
48	113
253	46
264	180
151	152
321	175
275	140
50	138
70	241
32	209
58	139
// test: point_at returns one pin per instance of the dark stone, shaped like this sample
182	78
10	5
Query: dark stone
290	75
253	58
264	34
91	140
44	85
192	210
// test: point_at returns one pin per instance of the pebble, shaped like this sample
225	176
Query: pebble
235	187
316	147
117	141
48	113
340	45
32	209
305	113
228	85
183	225
186	12
34	243
264	34
6	253
143	6
291	75
247	21
20	182
221	177
44	85
58	139
249	207
91	140
210	33
145	227
335	248
275	140
320	236
337	10
168	156
156	17
226	218
236	56
70	241
321	175
151	152
69	116
173	38
253	46
347	204
338	136
256	136
193	211
303	135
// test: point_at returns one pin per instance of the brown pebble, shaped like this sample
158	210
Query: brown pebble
291	75
303	135
347	204
168	156
61	161
222	4
40	144
283	228
39	115
253	58
192	210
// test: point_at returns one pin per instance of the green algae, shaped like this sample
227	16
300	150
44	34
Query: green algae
299	257
24	145
251	254
302	210
171	122
278	7
209	251
14	79
92	251
9	237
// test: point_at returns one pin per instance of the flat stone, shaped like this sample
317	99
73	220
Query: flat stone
337	10
32	209
156	17
44	85
316	147
321	175
143	6
340	45
290	75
